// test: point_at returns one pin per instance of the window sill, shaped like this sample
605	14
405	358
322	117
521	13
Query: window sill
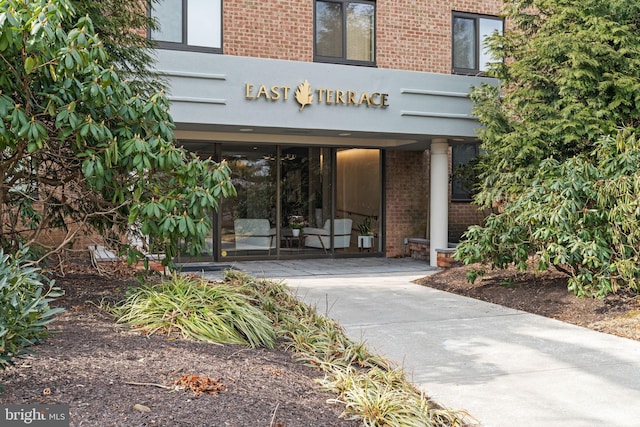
341	61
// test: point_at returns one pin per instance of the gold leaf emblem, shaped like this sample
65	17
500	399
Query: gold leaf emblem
304	96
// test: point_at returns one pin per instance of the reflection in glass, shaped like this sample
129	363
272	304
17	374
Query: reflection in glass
464	43
169	16
305	196
204	23
328	29
463	178
487	28
254	177
360	32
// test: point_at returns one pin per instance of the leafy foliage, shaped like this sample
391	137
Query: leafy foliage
121	25
581	215
383	397
556	164
81	148
559	91
364	228
25	295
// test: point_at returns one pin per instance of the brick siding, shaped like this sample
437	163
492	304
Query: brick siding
412	35
415	35
276	29
406	198
461	216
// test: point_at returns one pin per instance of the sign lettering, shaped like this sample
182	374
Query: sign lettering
305	95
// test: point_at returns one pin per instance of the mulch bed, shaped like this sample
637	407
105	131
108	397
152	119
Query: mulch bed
545	294
111	375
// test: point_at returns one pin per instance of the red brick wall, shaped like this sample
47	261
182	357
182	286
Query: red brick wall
407	188
406	198
413	35
461	216
276	29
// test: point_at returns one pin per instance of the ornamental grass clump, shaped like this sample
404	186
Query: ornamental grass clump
197	309
315	339
382	397
370	390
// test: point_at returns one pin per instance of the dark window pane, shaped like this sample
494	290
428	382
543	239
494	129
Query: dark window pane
464	43
360	31
328	29
464	177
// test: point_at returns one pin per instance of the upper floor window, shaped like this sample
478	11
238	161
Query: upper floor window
469	32
345	31
188	24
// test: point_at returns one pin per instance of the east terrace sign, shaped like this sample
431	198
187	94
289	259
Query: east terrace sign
305	95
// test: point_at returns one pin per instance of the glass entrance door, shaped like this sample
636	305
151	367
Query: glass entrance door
305	194
297	201
248	221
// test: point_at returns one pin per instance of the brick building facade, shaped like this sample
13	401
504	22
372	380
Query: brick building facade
393	89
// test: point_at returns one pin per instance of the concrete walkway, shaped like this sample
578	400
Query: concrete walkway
505	367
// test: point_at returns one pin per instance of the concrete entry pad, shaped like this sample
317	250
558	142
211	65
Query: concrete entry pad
505	367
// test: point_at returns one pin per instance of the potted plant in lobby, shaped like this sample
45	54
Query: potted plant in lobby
365	237
296	223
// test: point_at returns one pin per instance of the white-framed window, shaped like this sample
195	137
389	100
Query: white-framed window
345	31
469	55
188	24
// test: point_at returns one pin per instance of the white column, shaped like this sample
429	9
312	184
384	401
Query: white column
439	214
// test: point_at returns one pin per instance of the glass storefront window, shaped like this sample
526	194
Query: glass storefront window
248	221
305	199
296	201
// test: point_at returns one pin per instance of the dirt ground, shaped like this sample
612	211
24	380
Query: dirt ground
546	295
110	375
113	376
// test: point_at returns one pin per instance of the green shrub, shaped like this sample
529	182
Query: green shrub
211	312
582	216
25	295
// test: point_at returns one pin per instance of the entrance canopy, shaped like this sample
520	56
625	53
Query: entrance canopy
221	97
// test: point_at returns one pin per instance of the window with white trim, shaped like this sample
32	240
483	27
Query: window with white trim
188	24
469	55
